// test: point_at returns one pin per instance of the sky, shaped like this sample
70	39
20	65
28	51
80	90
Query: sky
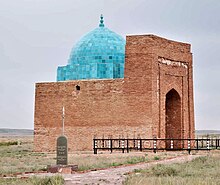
36	36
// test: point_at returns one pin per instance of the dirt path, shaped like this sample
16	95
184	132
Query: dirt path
117	175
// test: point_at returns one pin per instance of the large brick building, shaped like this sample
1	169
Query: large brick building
152	97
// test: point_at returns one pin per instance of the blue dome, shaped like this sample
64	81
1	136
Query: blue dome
100	54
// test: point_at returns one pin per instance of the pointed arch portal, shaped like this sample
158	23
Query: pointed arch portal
173	118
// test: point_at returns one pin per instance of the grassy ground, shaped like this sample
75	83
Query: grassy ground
200	171
21	158
16	155
54	180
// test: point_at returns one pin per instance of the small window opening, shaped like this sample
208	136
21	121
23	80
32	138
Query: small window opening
78	88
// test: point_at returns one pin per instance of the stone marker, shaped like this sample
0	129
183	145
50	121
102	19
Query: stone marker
62	151
62	159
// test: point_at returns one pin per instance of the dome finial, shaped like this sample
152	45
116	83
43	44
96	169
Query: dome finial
101	21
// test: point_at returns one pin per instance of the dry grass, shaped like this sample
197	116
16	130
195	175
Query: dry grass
200	171
21	158
53	180
91	161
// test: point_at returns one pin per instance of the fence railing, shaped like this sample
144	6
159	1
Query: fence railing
155	144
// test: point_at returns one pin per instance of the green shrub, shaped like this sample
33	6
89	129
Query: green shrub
137	170
8	143
115	164
162	170
135	160
156	158
53	180
200	160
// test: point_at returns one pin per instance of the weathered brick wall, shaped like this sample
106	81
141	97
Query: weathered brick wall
129	107
98	109
164	65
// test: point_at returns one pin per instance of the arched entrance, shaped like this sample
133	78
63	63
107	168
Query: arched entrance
173	118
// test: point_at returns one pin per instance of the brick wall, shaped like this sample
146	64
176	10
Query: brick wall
129	107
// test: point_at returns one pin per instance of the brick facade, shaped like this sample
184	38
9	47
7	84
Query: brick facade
155	99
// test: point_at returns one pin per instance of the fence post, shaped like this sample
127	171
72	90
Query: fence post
207	144
202	142
197	143
171	144
103	143
127	146
155	145
111	145
189	147
123	146
95	146
140	144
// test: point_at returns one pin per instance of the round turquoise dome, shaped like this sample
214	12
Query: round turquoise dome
99	54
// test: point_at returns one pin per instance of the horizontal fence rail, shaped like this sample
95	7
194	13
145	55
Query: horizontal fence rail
155	144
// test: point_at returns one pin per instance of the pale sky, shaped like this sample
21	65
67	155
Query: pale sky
36	36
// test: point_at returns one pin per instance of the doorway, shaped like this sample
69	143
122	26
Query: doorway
173	119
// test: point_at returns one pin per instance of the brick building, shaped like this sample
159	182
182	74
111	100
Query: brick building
149	95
